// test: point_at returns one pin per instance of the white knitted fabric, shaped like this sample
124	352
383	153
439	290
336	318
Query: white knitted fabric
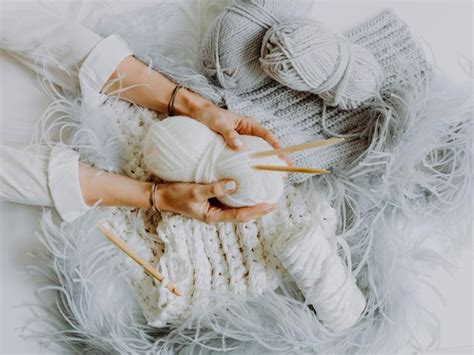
244	259
203	259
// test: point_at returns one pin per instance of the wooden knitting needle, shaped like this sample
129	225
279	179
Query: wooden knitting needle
296	148
148	268
291	169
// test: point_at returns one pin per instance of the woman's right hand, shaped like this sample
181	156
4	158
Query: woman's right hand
192	200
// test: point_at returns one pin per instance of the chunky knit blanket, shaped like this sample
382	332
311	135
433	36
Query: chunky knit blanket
408	166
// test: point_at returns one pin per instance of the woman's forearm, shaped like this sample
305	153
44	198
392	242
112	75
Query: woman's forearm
135	82
109	189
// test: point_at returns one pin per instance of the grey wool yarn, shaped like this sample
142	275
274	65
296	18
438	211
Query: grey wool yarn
253	39
282	98
231	48
306	56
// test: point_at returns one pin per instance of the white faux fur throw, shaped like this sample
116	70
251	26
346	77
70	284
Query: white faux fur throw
401	209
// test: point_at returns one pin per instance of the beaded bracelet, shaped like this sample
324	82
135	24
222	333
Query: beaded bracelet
173	97
154	206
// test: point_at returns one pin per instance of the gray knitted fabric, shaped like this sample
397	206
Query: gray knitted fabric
296	117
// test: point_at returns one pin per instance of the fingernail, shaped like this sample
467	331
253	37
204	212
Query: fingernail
238	142
269	208
230	185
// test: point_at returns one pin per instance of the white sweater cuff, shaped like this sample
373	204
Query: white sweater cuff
63	182
99	66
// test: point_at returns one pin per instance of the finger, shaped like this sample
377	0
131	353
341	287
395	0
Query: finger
225	128
241	215
256	129
232	138
217	189
260	131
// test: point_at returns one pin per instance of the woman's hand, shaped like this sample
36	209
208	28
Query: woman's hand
231	125
192	200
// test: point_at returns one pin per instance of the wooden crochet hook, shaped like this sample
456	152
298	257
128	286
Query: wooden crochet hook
291	169
148	268
296	148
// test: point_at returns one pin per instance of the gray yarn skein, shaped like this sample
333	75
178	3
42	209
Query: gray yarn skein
231	47
254	39
305	56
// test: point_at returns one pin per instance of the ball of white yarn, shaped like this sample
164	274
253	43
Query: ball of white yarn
306	56
182	149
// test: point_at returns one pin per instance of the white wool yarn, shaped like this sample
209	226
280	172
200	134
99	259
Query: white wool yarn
319	272
306	56
254	39
182	149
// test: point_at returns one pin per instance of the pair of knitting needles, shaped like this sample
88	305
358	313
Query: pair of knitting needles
150	270
292	149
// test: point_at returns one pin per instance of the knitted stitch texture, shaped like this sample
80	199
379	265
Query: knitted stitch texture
246	259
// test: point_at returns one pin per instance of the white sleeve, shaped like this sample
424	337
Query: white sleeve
73	57
52	46
44	177
99	66
59	49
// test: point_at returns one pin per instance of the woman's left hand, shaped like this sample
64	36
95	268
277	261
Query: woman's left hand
231	126
153	90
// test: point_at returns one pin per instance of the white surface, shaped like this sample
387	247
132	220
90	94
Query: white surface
445	27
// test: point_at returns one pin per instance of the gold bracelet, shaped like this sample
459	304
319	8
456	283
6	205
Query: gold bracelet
154	206
173	97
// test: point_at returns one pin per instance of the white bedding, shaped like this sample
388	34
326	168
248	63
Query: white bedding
22	103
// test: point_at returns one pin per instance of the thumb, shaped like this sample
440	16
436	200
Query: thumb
232	138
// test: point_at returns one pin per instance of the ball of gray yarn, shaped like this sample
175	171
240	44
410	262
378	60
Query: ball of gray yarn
253	39
231	47
306	56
